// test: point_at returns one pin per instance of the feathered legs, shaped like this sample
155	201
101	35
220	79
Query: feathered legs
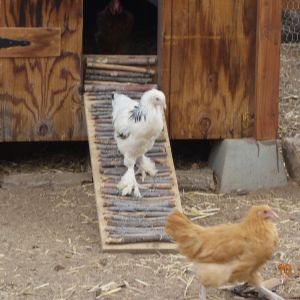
257	280
238	290
202	292
128	181
269	294
145	165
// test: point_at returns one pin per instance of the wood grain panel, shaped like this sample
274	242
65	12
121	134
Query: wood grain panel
212	68
39	97
179	66
164	50
29	42
267	69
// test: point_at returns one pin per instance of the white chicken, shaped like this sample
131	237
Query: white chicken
136	127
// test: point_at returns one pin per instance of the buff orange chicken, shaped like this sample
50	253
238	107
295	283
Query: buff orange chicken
230	252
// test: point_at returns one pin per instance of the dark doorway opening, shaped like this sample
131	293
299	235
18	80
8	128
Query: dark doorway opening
131	24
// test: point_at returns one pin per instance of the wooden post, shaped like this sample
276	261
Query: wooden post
267	69
164	50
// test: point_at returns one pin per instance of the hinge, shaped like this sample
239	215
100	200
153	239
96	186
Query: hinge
8	43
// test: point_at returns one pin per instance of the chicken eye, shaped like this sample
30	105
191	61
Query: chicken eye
157	99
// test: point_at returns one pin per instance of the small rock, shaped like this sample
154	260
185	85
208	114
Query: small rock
197	179
58	268
103	262
195	166
291	154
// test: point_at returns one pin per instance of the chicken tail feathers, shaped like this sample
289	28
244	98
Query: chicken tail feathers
185	233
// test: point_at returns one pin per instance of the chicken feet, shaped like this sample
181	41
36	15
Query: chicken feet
269	294
146	165
128	181
128	184
238	290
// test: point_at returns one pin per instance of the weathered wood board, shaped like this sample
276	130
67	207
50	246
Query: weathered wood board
219	66
164	50
29	42
266	108
209	48
127	223
40	96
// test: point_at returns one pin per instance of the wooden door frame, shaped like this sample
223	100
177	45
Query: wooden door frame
268	41
164	50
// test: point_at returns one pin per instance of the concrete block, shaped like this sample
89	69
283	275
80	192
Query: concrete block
247	165
291	154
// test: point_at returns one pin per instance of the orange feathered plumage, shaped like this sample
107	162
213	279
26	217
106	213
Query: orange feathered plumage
230	252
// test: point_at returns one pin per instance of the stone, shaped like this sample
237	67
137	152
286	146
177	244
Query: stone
291	154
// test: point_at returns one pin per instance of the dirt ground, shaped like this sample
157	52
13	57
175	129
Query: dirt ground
289	104
50	247
49	238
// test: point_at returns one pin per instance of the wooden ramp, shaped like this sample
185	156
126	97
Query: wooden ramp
126	223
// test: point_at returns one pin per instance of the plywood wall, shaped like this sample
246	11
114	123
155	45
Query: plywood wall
210	55
39	96
219	64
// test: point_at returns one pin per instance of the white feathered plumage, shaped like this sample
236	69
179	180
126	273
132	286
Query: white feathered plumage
136	126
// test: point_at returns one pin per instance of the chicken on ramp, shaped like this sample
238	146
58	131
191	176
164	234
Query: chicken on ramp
136	127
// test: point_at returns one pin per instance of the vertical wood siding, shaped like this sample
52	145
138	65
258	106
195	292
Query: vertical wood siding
39	97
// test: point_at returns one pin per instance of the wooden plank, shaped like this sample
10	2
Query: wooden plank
164	51
105	66
39	97
146	60
212	59
98	86
99	184
179	63
29	42
267	69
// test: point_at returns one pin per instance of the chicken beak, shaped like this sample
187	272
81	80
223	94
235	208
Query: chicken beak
165	105
274	215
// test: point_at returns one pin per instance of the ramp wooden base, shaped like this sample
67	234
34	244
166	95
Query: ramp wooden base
128	223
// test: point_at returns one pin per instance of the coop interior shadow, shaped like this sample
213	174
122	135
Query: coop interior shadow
40	156
120	27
